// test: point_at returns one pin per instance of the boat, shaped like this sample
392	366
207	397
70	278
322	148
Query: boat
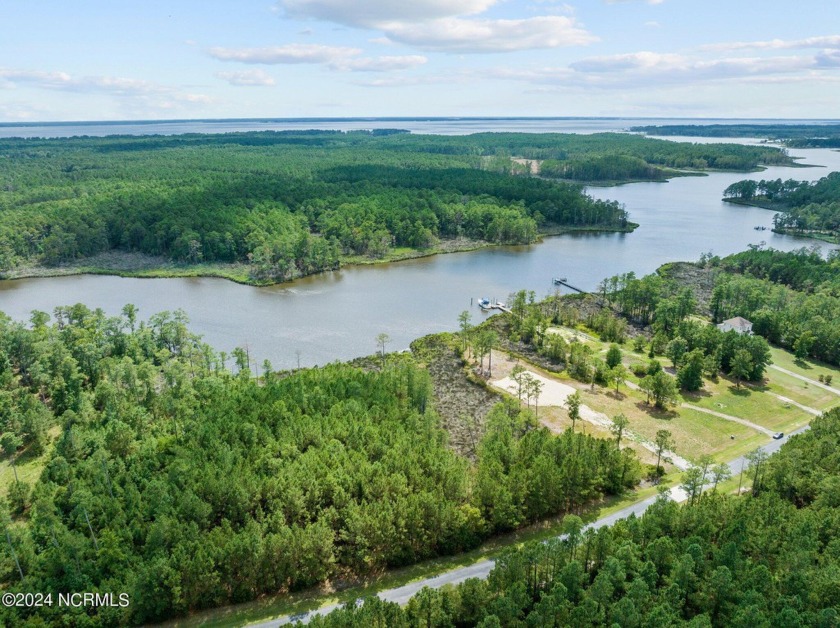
559	280
484	304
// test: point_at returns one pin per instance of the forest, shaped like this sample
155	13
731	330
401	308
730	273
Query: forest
793	299
806	209
791	135
287	204
190	479
767	558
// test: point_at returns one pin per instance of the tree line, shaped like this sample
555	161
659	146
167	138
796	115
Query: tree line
293	203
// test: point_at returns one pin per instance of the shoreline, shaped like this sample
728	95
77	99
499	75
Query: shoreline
140	266
779	208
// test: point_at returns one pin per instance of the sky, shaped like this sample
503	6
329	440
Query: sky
63	60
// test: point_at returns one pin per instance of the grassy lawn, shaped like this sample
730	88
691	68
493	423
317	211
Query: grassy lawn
754	405
695	433
801	392
557	420
807	368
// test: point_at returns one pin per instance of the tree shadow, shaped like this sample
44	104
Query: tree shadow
657	413
802	364
696	395
743	391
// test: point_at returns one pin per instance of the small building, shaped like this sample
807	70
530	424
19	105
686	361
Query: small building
738	324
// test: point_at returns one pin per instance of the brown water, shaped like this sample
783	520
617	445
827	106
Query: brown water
338	315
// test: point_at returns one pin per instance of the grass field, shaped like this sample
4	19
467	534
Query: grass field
751	403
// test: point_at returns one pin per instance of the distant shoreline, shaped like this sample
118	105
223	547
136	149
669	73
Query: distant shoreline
814	121
139	266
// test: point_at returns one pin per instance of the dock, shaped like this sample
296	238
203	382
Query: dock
486	305
561	281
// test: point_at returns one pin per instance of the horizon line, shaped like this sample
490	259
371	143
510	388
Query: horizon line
394	119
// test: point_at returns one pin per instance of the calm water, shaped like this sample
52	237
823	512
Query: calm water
445	126
338	315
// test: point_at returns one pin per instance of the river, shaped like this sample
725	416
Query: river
337	316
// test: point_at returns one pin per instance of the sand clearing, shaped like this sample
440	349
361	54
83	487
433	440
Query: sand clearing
554	393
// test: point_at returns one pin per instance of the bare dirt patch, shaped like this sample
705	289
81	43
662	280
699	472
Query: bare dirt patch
461	403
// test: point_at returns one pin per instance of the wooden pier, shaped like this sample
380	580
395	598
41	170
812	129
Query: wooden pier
562	282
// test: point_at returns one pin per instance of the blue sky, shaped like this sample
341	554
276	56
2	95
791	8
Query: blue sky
148	59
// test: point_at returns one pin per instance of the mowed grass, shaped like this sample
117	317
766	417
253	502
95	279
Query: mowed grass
752	404
695	433
801	392
807	368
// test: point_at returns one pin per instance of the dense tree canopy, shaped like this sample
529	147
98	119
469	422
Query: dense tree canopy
293	203
187	486
766	559
791	135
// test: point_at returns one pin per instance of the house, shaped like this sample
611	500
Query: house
739	324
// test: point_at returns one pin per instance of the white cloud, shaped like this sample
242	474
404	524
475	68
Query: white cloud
828	41
370	13
379	64
477	35
132	92
247	78
446	25
828	59
647	70
669	68
291	53
426	79
334	57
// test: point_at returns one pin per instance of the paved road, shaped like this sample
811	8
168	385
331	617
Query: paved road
836	391
481	569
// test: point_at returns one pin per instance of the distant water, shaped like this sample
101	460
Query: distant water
338	315
431	125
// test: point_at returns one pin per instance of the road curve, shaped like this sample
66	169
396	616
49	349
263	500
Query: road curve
481	569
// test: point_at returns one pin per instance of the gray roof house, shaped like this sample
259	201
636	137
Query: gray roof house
739	324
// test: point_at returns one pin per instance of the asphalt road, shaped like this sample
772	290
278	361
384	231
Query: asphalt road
481	569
